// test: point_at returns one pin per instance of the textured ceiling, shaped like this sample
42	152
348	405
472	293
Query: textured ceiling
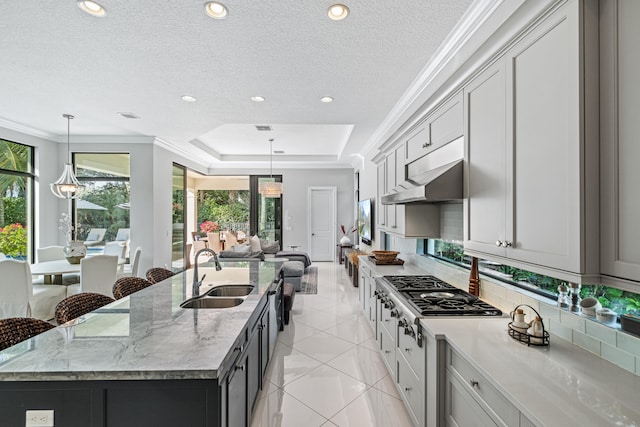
145	54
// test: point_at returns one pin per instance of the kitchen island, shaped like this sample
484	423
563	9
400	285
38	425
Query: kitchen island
144	360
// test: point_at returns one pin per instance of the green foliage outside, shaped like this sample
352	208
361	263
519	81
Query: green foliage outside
13	240
13	212
226	207
615	299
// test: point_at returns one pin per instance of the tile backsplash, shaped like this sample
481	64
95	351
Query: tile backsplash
608	342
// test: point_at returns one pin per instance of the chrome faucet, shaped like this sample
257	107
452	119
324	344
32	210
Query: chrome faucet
196	280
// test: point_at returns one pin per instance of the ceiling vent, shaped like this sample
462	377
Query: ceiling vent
129	115
263	128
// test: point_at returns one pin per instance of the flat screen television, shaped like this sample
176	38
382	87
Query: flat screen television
365	221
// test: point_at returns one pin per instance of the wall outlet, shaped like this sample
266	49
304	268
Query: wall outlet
39	418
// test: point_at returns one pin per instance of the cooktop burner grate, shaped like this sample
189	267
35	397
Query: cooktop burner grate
431	296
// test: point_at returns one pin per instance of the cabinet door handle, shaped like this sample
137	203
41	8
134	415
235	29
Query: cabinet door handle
240	368
473	383
506	244
407	389
499	243
426	144
387	351
407	350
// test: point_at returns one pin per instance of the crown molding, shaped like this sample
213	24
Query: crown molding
17	127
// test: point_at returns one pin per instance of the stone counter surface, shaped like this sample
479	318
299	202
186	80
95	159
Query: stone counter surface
558	385
146	335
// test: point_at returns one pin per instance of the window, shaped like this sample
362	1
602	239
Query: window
104	201
453	251
16	194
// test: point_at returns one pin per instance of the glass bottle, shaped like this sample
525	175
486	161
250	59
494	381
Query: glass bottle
563	296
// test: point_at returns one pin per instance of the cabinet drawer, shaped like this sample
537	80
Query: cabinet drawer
461	409
388	322
415	356
388	349
479	387
412	389
418	142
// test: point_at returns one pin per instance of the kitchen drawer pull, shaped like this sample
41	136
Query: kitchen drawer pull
506	244
426	144
407	389
387	351
473	383
240	368
386	320
407	350
499	243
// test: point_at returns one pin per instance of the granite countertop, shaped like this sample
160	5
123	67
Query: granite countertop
561	384
146	335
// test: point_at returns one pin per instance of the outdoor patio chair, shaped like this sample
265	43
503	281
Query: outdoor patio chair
77	305
95	236
17	329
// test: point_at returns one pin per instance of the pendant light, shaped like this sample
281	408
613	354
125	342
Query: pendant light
67	186
270	189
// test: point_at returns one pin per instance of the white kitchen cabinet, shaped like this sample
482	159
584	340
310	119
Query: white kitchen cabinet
547	165
441	126
467	388
381	191
620	151
390	178
369	303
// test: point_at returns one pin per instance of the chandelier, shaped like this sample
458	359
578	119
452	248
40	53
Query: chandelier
67	186
270	189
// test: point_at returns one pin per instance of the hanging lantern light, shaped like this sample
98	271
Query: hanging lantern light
270	189
67	186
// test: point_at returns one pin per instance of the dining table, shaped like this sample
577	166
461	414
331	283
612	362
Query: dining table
53	270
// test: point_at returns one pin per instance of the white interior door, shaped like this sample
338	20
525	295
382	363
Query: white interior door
322	223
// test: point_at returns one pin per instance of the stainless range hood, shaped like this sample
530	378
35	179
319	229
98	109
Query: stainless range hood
437	177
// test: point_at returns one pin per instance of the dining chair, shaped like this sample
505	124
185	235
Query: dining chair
54	253
97	274
19	297
131	269
158	274
230	240
214	242
77	305
14	330
128	285
114	248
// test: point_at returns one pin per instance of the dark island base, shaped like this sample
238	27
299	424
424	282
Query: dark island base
115	403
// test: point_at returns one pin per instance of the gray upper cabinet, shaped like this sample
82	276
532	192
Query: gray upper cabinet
382	190
485	176
438	128
620	149
530	198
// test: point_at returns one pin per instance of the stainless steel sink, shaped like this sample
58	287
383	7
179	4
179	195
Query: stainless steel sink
211	302
231	291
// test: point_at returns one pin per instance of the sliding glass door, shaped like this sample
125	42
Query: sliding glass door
266	212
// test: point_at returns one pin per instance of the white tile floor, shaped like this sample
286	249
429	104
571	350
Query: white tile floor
325	369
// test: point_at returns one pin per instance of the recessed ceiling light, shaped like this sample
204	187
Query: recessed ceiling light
338	11
127	115
188	98
92	8
215	10
257	98
326	99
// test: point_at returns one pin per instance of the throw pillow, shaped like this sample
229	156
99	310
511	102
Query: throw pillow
270	247
241	248
254	242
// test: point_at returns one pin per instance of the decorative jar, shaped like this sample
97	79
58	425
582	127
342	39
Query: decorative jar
74	251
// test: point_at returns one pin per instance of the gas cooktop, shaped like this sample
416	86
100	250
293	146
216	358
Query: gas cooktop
430	296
